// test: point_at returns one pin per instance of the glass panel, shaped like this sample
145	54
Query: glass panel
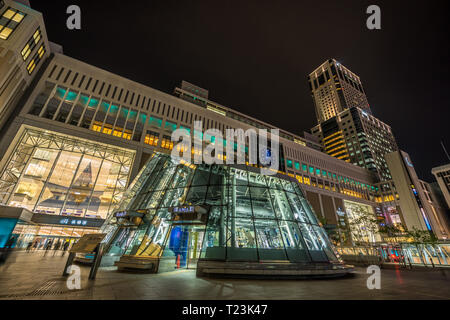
196	195
242	201
297	208
239	177
270	244
36	173
201	176
57	188
256	180
261	203
313	243
241	243
214	240
281	205
82	187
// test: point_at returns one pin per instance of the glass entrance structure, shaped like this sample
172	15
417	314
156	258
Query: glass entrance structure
250	221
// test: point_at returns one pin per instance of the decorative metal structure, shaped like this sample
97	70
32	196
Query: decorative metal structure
223	219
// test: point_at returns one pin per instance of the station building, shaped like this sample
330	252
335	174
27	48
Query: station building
78	136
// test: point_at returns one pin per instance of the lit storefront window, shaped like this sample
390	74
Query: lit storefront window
361	220
55	174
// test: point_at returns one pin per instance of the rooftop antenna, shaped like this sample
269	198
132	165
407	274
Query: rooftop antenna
445	150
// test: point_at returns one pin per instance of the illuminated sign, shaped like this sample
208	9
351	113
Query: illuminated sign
408	162
73	222
121	214
183	209
189	214
131	213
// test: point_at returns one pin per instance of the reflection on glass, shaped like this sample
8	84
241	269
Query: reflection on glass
65	176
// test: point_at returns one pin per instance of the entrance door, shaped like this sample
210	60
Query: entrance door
184	245
195	243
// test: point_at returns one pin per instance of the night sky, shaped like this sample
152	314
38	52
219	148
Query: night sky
254	56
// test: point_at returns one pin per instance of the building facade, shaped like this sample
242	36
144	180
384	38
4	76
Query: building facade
23	49
348	131
80	135
334	88
418	203
442	175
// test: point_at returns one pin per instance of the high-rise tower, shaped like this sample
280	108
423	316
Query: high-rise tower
346	127
334	88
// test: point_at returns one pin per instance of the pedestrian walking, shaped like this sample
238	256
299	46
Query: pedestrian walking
48	246
65	247
35	245
6	250
56	247
30	244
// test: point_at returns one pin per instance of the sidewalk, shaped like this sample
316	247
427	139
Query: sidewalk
35	276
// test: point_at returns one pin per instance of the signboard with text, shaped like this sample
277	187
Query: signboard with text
88	243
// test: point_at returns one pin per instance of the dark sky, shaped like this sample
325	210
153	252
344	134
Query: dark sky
254	56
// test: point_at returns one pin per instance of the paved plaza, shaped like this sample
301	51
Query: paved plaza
35	276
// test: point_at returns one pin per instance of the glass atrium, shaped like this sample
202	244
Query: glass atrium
216	213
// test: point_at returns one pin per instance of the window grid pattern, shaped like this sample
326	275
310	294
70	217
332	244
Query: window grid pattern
9	21
55	174
31	44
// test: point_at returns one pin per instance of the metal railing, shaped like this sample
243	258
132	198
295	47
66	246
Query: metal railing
403	254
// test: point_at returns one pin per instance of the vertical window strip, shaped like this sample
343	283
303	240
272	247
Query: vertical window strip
36	59
31	44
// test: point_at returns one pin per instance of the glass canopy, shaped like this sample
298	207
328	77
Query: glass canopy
246	216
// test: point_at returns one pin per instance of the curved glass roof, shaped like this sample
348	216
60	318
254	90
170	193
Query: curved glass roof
245	215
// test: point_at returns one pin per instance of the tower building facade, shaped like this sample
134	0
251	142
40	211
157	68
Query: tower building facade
334	88
23	49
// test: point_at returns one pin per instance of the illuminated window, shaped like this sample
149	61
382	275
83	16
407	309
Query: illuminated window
31	44
107	129
297	166
126	135
170	126
289	163
186	128
151	138
9	22
306	181
167	143
37	57
304	167
154	121
97	126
